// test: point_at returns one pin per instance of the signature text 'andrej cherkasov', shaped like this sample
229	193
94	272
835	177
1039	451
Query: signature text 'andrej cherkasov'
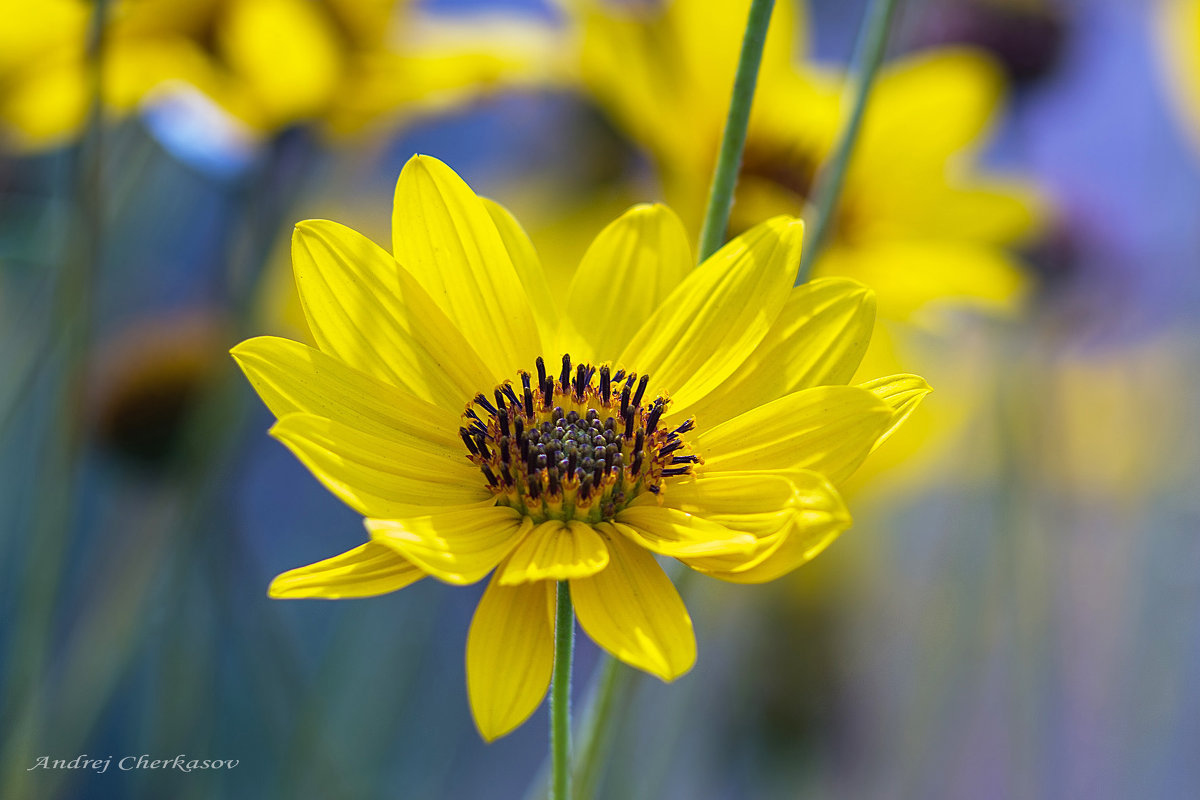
127	763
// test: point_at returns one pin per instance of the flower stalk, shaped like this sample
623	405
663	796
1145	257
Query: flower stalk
595	737
560	694
716	223
733	140
868	55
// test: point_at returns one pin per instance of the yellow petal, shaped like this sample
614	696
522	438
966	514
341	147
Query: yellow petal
710	54
675	533
368	570
911	277
711	323
819	339
293	377
556	550
1178	25
136	66
33	32
444	64
626	274
365	21
527	264
46	106
665	72
365	309
903	393
988	210
938	103
380	476
794	514
458	545
444	236
828	429
510	656
285	52
631	610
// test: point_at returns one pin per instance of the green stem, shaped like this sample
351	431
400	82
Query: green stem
614	681
595	735
560	695
868	55
720	195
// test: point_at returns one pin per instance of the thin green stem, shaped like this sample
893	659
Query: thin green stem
868	55
560	694
720	194
615	682
595	734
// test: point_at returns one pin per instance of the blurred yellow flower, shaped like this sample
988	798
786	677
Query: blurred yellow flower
270	63
481	423
917	220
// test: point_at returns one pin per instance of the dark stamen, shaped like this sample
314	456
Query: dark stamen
564	379
580	381
541	368
466	437
528	395
491	476
641	390
511	395
605	389
653	417
685	427
483	401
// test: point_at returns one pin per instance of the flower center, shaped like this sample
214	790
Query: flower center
579	447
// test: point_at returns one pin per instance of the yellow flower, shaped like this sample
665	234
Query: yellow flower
270	63
917	220
1179	27
482	424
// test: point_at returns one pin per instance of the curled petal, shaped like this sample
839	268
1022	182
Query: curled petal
368	570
